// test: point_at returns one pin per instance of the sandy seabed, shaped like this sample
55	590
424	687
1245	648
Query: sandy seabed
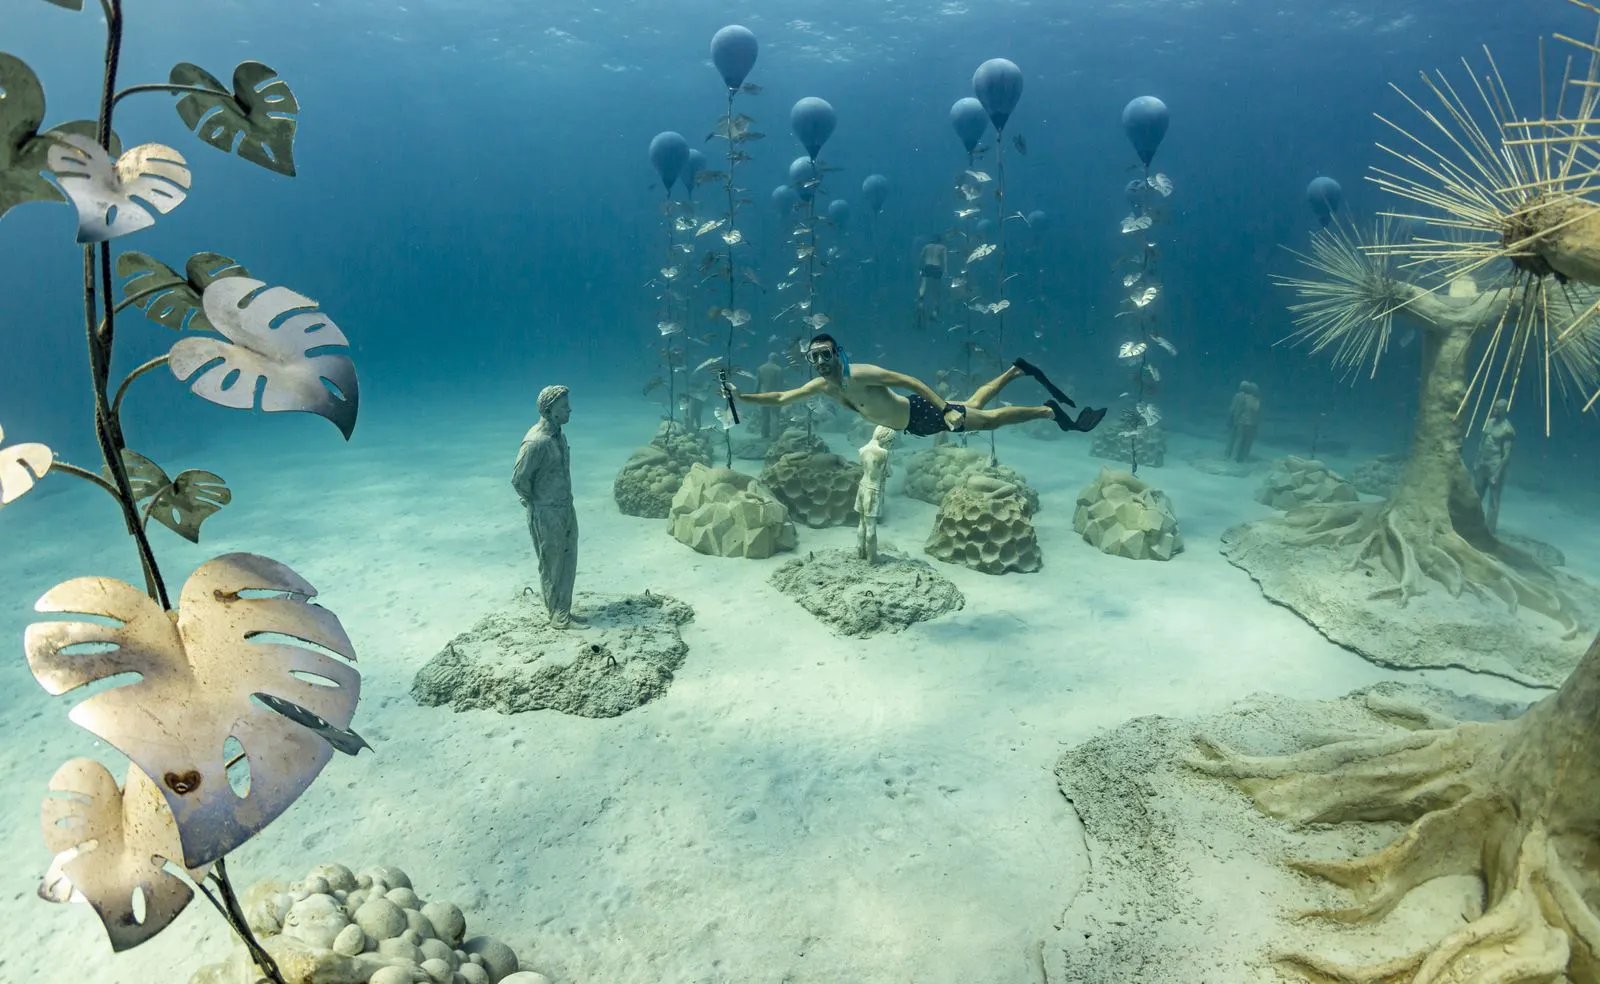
797	807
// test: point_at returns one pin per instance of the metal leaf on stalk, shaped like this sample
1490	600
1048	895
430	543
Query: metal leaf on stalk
115	197
269	334
197	670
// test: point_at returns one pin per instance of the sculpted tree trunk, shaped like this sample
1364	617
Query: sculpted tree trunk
1515	803
1432	526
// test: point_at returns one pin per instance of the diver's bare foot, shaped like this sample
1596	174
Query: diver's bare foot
567	620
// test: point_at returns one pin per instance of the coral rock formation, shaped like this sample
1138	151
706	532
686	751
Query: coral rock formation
1123	516
513	660
932	472
986	524
818	487
1379	475
726	513
791	440
856	597
652	475
335	927
1120	441
1295	482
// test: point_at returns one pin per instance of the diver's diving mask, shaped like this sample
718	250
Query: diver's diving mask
821	357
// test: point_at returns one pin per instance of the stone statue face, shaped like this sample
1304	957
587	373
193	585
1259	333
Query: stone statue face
883	436
560	411
1499	408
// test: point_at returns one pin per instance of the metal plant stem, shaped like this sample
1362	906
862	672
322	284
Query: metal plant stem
727	355
1000	249
100	312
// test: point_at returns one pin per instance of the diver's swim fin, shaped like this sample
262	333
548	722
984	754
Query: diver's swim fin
1033	370
1087	420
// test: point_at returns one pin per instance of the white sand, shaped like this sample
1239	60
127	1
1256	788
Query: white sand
798	807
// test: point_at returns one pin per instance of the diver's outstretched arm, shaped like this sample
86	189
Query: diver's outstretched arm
811	388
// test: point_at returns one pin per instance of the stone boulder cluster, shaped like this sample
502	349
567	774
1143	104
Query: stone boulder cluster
337	927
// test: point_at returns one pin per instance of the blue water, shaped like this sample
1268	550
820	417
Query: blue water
475	208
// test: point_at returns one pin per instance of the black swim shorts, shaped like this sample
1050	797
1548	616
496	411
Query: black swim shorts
927	419
932	271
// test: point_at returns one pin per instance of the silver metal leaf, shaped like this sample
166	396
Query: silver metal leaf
22	147
256	120
177	305
181	504
109	844
21	465
69	4
108	193
268	334
198	669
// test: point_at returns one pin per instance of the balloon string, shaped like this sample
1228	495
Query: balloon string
1000	247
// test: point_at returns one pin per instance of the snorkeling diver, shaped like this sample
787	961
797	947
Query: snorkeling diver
869	391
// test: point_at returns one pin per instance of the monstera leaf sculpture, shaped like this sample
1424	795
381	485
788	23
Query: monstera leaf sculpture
22	146
199	669
169	298
110	844
266	334
21	465
107	192
256	119
180	504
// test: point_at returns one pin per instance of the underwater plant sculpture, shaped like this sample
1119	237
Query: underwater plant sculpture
998	86
1144	120
1511	803
1431	526
733	52
669	155
970	122
1507	188
222	727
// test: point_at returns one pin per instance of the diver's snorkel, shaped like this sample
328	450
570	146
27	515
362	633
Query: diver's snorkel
844	362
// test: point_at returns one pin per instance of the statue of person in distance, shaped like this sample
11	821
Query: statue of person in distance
543	480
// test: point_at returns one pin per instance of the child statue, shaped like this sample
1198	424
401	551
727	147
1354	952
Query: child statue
1494	455
869	494
543	480
769	379
1243	417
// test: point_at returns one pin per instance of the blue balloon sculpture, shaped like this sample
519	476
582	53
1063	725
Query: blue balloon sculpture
970	121
733	51
1144	120
839	212
803	177
1325	197
693	166
875	189
1038	221
812	121
985	229
998	85
785	198
669	152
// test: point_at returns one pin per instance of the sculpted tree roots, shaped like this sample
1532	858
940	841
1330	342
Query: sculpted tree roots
1414	548
1514	803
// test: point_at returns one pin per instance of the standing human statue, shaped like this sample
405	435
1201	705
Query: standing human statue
769	378
869	493
1244	415
543	480
1494	456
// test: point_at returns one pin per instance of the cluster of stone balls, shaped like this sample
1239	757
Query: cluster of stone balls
377	913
